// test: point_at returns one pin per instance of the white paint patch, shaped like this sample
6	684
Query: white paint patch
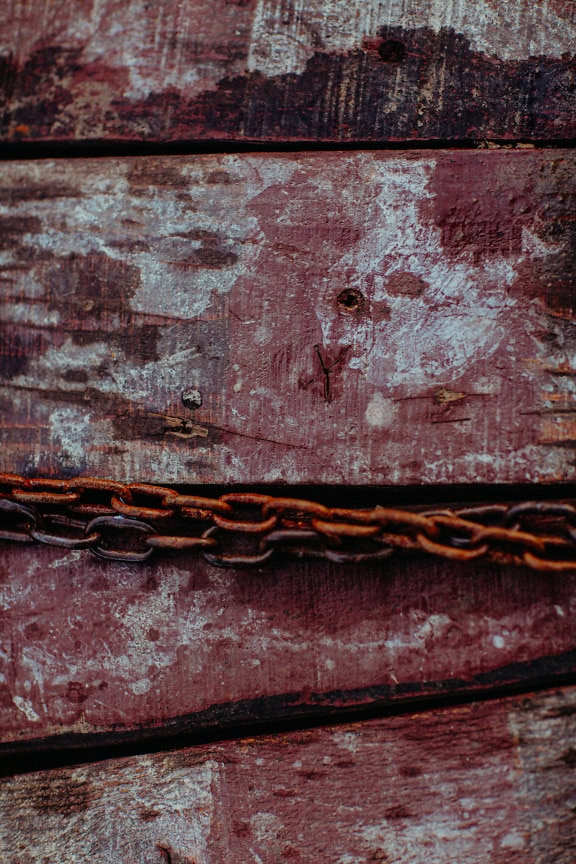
140	687
285	36
66	560
27	708
434	626
513	840
459	315
71	434
442	835
347	740
238	383
266	827
498	642
380	412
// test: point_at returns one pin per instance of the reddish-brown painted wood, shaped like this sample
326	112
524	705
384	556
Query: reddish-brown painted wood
330	70
129	284
94	647
484	784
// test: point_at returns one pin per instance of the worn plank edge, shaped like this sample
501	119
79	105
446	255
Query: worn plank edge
484	783
287	712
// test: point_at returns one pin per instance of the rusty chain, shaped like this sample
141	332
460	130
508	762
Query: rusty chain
129	521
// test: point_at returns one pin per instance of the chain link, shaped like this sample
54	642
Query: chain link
130	521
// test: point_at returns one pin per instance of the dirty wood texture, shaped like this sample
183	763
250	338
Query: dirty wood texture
280	70
490	783
305	318
91	648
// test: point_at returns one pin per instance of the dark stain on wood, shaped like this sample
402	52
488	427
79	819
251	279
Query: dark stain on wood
144	176
90	291
569	757
398	84
15	350
36	192
11	227
64	795
406	284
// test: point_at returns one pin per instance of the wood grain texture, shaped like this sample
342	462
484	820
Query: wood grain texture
90	647
280	70
172	319
485	784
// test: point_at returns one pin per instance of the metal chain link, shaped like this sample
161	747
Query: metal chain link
130	521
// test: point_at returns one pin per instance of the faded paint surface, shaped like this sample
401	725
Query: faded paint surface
89	646
285	36
430	300
490	783
276	70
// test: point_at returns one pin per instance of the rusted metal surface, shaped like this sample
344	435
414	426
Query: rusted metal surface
430	301
91	646
537	534
490	783
330	70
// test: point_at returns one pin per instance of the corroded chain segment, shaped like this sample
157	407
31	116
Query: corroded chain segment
129	521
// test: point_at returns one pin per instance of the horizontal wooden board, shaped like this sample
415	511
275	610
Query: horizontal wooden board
484	784
90	649
306	318
330	70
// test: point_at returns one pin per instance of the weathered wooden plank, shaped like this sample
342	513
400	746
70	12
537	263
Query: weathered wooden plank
430	298
485	784
95	647
330	70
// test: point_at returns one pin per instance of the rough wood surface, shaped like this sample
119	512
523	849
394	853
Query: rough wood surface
485	784
88	646
308	318
333	70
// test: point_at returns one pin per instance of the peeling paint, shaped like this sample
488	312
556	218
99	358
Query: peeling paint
445	785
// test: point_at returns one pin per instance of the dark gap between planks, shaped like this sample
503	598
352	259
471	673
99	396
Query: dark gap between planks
24	150
78	749
456	495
